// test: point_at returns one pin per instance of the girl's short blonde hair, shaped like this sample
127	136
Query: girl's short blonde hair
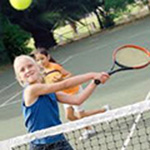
22	83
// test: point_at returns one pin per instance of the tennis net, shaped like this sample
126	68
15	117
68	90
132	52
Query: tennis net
126	128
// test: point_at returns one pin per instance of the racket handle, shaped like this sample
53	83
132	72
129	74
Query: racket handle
97	82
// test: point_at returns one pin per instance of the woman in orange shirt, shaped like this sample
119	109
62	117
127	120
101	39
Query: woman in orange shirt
54	72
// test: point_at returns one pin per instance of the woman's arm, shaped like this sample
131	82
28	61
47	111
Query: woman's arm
78	98
35	90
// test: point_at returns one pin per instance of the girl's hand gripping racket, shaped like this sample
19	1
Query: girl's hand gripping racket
128	57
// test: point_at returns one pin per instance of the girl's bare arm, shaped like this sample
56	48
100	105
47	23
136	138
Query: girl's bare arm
76	99
35	90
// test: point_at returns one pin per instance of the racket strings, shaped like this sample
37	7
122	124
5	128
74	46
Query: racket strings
132	57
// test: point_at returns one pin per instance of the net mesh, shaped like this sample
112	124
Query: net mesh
126	128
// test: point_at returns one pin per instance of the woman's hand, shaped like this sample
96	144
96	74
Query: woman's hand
103	77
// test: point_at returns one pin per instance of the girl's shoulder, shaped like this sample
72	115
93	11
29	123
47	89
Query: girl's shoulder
55	65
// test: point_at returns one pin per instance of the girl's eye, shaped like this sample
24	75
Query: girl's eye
30	66
22	70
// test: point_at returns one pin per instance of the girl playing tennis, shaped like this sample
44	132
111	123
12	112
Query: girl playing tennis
54	72
39	103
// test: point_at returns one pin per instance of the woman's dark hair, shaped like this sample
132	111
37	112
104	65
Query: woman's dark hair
42	51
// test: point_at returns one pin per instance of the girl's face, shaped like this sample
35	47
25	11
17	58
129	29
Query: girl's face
27	71
42	60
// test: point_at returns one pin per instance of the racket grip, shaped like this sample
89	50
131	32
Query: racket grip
97	82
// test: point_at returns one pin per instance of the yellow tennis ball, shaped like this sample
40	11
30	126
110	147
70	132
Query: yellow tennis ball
20	4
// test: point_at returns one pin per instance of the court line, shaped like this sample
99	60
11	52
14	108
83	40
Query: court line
10	99
132	129
66	60
7	87
11	103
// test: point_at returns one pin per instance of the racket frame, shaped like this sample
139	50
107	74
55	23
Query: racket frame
130	46
123	67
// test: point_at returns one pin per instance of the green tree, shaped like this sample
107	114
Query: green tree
15	40
45	15
119	5
33	21
3	55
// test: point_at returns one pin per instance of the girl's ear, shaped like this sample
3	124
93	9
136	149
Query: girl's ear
20	81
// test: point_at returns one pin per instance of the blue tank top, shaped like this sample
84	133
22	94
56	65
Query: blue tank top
44	113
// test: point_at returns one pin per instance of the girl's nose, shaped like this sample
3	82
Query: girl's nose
27	70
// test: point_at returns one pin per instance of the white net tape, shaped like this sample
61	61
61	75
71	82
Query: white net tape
135	109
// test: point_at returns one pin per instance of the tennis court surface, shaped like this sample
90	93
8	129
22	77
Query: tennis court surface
92	54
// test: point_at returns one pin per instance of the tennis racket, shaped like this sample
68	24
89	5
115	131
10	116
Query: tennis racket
128	57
